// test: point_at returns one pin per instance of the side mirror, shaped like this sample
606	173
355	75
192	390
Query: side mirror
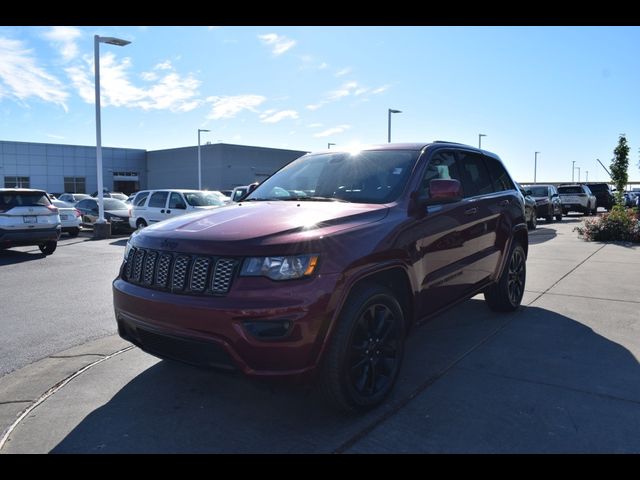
444	191
555	195
252	187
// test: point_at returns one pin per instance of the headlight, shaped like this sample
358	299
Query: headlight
279	268
116	219
127	249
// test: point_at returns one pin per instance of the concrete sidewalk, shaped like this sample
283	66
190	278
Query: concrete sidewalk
560	375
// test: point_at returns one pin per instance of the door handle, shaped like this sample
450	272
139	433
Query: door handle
162	211
168	211
471	211
504	203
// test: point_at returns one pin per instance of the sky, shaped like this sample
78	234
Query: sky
566	92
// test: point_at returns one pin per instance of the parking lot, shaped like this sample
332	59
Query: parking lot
559	375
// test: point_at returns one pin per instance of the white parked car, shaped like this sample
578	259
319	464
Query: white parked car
577	198
27	217
152	206
73	198
70	217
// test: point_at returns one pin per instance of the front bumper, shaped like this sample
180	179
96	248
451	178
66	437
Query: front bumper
23	237
210	331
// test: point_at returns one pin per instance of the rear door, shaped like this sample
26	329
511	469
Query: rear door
157	206
88	209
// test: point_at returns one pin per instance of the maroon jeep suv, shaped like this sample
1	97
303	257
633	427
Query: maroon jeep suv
321	270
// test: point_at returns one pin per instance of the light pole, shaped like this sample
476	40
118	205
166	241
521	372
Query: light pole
587	175
389	123
535	167
329	145
573	170
480	135
199	163
578	174
99	230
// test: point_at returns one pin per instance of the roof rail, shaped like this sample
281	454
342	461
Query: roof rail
447	141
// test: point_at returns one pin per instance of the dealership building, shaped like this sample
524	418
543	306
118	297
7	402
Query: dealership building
72	168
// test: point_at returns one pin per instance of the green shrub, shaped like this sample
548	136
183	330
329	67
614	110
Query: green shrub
619	224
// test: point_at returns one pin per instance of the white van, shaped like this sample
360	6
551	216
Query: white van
151	206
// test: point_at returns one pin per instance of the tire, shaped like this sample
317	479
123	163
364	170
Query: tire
533	223
549	218
506	295
74	233
141	223
48	248
559	217
364	356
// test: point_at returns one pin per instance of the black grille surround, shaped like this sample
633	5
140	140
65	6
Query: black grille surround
180	272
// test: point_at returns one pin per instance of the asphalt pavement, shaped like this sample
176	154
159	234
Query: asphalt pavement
559	375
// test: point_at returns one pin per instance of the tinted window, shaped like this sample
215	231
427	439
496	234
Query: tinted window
601	187
158	199
577	189
475	176
539	191
201	199
175	200
140	199
369	176
498	174
9	200
87	204
442	165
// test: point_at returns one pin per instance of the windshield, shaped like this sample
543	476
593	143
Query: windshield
113	204
365	177
200	199
539	191
599	188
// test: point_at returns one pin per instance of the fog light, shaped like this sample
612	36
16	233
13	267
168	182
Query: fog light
268	329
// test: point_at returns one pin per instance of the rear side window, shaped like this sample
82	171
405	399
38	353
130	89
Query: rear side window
140	199
87	204
442	165
158	199
498	174
475	176
8	200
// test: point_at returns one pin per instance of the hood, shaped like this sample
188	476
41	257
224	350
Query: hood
237	226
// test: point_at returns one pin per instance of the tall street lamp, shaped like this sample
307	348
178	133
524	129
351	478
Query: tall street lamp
199	162
329	145
480	135
100	230
535	167
587	175
573	170
389	123
578	174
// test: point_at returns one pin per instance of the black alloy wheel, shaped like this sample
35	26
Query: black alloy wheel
516	277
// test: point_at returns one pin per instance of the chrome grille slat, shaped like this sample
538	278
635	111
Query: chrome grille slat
222	275
180	273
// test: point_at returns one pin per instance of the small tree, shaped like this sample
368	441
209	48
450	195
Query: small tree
619	168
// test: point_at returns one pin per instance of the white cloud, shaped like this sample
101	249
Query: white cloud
332	131
314	125
343	72
279	43
57	137
21	77
149	76
64	38
230	106
170	91
323	65
166	65
380	89
314	106
279	116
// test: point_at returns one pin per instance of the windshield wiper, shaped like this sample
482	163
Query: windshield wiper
315	199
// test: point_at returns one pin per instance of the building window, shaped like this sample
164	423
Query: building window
74	185
17	182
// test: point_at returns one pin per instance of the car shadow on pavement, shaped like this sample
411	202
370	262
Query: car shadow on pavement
11	257
541	235
121	242
528	381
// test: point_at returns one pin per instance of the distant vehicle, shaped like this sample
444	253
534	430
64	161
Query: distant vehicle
226	193
27	217
70	217
604	197
152	206
73	198
238	192
577	198
106	194
548	203
115	211
530	215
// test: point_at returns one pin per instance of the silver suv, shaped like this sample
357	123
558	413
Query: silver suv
577	198
27	217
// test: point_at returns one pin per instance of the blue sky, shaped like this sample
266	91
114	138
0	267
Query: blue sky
567	92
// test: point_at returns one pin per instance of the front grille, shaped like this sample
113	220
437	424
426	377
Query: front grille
180	273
